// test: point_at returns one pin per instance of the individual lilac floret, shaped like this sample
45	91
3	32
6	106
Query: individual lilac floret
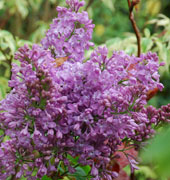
70	33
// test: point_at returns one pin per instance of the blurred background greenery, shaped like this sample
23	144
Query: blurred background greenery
26	21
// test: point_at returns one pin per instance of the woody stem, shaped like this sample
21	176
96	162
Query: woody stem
134	25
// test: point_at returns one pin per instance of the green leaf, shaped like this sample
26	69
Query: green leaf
7	44
73	160
21	42
46	178
53	1
147	32
158	152
22	7
23	178
2	4
35	4
80	174
6	138
39	33
34	173
109	4
3	87
1	132
146	44
163	21
147	171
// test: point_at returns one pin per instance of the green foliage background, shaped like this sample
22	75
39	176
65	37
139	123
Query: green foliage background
26	21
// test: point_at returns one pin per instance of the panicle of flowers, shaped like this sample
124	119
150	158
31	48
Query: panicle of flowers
70	33
84	110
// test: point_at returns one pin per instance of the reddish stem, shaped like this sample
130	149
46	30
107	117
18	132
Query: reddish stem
132	176
136	30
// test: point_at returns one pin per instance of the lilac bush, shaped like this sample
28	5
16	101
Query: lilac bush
82	109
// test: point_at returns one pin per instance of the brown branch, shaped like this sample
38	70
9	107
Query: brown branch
132	176
89	4
13	177
131	17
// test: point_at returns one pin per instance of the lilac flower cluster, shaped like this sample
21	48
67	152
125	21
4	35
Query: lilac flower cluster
70	33
83	110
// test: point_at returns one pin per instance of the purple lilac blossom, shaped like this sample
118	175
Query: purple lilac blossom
82	110
70	33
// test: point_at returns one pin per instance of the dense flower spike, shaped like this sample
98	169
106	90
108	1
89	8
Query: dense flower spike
75	109
70	33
